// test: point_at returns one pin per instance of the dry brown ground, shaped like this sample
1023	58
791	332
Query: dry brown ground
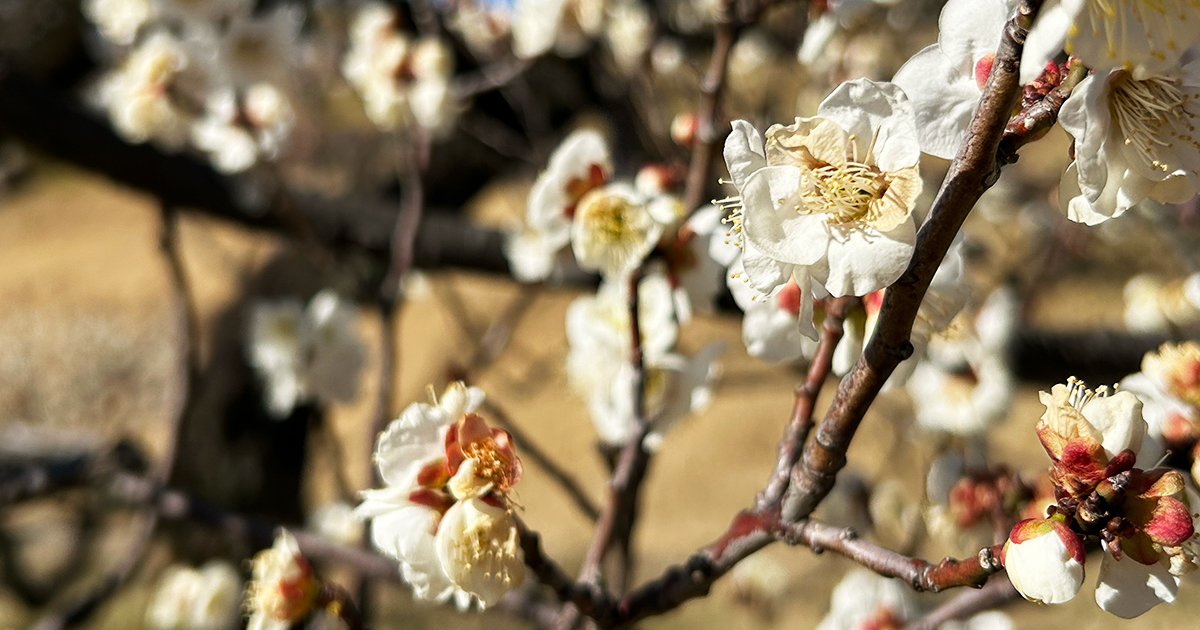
85	347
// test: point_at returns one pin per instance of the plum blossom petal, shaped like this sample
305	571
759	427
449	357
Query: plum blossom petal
1128	588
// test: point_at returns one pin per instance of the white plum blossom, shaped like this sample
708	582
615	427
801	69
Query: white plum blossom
147	97
864	599
777	327
302	353
614	229
204	598
118	20
945	80
1157	305
1044	560
567	26
629	32
598	360
1135	139
1146	38
579	164
829	198
238	132
282	588
336	521
444	514
403	82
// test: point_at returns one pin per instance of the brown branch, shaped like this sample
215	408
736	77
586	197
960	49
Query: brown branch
996	593
711	91
529	449
1032	122
801	421
971	172
921	575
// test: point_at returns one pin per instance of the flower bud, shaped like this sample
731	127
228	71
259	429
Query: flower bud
1044	560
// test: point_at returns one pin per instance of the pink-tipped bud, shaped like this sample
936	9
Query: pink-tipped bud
1044	560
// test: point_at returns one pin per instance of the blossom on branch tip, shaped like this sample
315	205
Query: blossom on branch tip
580	164
1085	432
205	598
1044	560
832	195
282	588
445	511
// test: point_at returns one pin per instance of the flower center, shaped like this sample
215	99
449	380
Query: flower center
846	192
489	464
1151	116
1079	395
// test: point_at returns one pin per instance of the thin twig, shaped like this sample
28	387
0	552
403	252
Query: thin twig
996	593
711	91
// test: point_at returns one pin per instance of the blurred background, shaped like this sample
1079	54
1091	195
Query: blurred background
140	244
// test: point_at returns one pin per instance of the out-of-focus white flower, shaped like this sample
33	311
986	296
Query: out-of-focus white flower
946	296
674	387
305	353
750	68
613	230
207	598
1146	38
118	20
236	133
143	97
629	32
760	580
580	164
282	588
444	513
481	23
1135	140
895	518
402	82
1044	560
336	521
816	37
990	620
830	196
567	26
667	56
1156	305
699	263
866	600
964	402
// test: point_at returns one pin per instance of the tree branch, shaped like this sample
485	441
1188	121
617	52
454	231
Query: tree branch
971	172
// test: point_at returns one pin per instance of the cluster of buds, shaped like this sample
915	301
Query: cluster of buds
1141	517
1052	75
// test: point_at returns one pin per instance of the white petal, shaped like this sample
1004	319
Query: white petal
772	225
743	152
1045	41
1118	418
866	260
876	113
970	29
944	100
1128	588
